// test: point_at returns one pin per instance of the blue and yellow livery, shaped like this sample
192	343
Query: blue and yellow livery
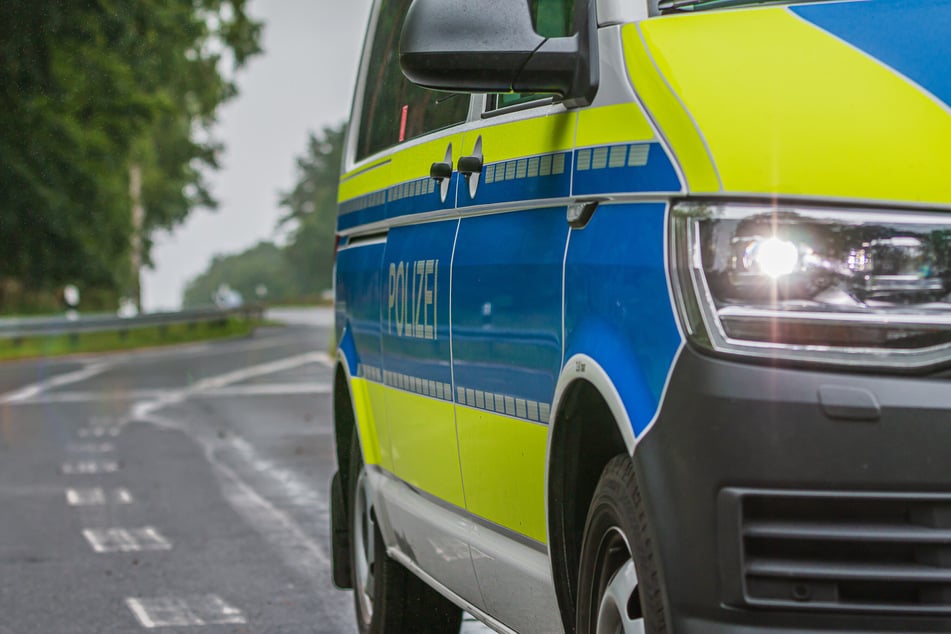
644	317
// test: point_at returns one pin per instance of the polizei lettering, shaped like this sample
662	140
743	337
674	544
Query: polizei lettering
412	295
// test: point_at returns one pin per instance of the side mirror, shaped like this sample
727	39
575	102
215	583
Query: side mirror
469	46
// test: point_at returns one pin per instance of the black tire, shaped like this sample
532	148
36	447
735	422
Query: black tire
398	601
617	543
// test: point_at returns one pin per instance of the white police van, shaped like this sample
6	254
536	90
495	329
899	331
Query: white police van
643	317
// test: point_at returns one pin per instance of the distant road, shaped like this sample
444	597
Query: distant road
316	316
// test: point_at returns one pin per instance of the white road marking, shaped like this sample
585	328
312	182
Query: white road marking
126	540
93	397
92	447
301	553
270	389
97	497
143	409
87	467
99	432
209	609
31	391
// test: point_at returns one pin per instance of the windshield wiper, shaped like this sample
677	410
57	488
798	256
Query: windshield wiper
671	6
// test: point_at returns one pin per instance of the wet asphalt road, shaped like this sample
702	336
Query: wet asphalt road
180	489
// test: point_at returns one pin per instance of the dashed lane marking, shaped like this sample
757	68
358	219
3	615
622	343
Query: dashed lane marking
126	540
270	389
91	396
99	432
92	447
208	609
97	497
89	467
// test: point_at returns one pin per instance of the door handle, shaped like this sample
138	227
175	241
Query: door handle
439	171
469	165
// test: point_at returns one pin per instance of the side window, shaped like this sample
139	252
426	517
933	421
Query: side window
394	109
553	18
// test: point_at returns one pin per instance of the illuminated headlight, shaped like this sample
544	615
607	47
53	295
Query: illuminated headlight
855	287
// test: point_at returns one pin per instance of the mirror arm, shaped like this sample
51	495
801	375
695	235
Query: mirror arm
566	65
588	70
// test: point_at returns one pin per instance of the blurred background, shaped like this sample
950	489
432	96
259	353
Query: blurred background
162	154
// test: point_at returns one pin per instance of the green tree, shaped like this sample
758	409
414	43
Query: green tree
263	264
312	209
304	267
90	89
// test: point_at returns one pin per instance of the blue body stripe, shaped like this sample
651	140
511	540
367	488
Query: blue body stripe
637	167
644	167
409	348
911	36
506	305
529	178
506	274
618	309
357	303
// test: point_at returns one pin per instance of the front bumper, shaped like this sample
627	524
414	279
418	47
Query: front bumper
777	509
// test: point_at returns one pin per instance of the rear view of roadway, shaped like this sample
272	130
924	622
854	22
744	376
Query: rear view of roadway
184	489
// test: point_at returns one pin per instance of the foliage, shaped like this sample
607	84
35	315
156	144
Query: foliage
312	206
89	88
303	269
244	272
126	340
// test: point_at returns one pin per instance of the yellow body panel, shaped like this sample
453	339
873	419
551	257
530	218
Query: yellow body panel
365	404
367	179
414	162
679	130
613	124
787	108
423	439
515	139
503	467
401	165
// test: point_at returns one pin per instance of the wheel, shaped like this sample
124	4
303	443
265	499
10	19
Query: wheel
388	597
619	590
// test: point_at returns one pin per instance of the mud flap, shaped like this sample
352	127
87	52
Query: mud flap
339	535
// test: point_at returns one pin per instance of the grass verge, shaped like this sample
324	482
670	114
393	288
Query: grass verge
131	339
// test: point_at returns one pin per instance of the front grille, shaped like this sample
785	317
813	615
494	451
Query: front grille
837	551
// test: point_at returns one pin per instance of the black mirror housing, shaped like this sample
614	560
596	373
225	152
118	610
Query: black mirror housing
468	46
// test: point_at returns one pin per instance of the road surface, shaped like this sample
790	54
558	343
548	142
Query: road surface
184	489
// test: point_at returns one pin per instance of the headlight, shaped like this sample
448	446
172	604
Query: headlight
854	287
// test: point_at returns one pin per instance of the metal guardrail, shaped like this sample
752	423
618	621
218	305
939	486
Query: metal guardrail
17	329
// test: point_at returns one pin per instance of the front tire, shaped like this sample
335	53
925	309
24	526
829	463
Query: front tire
619	589
388	598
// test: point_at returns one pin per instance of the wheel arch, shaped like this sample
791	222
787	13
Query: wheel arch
344	406
344	416
589	420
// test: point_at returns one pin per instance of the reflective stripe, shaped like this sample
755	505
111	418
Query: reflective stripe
786	108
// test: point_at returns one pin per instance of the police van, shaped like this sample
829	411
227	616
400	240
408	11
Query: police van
643	318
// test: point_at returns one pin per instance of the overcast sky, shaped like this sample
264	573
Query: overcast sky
302	82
